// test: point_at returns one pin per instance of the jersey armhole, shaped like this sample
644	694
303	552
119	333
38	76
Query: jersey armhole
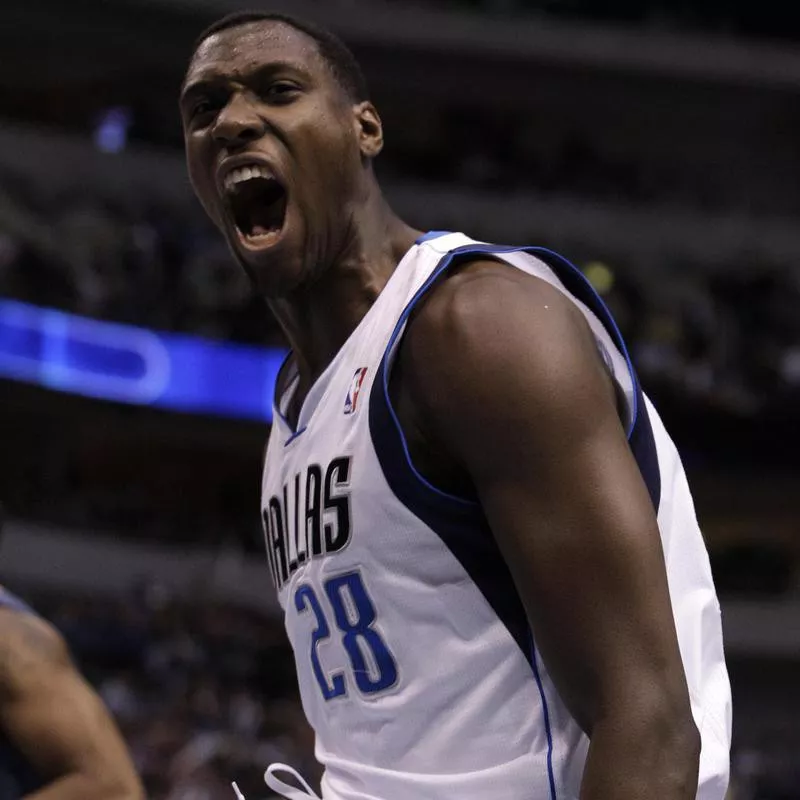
386	430
387	434
459	522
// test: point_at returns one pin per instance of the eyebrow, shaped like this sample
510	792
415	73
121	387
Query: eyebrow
203	83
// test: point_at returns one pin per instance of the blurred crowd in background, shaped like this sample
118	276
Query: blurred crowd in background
726	16
204	694
205	691
157	267
728	336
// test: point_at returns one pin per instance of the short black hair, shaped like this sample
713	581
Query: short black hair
334	51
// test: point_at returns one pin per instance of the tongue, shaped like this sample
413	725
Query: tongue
260	230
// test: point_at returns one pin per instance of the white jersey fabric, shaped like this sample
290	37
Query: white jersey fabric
415	661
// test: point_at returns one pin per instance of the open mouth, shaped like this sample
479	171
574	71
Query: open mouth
257	204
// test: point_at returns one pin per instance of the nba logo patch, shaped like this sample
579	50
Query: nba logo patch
351	401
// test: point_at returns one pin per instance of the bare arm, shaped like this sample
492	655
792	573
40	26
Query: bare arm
511	385
55	720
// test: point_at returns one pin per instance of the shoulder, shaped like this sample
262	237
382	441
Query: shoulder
489	321
497	366
487	301
27	645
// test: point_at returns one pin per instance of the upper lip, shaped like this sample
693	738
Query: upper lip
243	160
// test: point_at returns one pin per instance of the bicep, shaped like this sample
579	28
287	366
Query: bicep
58	722
540	436
579	533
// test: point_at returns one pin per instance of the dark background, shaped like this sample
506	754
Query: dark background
656	144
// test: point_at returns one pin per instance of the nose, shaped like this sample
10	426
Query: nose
238	123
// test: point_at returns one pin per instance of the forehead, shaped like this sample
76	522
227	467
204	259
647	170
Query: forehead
245	48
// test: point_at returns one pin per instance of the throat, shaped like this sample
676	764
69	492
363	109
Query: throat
318	328
329	306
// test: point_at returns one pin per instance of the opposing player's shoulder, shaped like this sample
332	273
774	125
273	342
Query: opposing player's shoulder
28	644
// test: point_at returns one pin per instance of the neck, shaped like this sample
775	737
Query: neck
319	318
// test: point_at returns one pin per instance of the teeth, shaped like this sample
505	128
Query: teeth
241	174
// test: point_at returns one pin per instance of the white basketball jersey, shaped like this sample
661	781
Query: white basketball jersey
416	664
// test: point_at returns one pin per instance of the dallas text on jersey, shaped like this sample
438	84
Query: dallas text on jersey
310	518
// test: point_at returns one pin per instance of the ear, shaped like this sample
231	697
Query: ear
369	129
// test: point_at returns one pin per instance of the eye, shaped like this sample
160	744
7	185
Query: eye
282	91
201	110
201	107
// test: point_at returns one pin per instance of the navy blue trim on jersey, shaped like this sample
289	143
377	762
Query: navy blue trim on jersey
640	431
295	435
458	521
547	727
276	404
277	395
11	601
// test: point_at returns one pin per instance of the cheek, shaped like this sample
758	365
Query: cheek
333	140
327	161
342	160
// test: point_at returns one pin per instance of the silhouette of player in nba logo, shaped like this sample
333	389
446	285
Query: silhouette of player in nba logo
351	402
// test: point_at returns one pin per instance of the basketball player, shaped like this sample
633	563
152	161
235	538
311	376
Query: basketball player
57	741
480	532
